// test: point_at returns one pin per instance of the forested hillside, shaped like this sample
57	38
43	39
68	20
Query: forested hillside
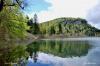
68	27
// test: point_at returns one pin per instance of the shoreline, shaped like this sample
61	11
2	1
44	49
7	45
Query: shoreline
74	38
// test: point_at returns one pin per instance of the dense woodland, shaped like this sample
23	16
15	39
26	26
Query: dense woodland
14	25
67	26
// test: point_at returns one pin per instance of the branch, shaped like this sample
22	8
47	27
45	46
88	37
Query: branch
1	4
19	4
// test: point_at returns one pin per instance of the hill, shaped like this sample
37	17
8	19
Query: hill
68	27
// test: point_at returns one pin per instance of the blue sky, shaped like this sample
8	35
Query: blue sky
36	6
51	9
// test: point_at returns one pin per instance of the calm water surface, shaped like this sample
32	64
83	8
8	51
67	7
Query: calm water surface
64	52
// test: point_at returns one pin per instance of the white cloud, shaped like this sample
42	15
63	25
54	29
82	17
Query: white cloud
93	15
65	8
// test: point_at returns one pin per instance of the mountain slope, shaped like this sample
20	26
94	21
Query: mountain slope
68	27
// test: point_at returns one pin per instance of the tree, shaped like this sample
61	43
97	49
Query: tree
30	24
35	26
52	30
12	23
3	3
60	28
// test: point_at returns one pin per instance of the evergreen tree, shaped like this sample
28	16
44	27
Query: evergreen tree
52	30
34	26
60	28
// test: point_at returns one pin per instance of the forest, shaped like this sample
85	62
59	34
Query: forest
14	24
15	27
65	26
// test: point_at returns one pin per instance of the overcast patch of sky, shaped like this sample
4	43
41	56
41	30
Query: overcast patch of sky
93	15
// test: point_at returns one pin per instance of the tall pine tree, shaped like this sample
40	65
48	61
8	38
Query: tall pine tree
34	27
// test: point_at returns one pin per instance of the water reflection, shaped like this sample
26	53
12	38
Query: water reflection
33	49
53	53
12	53
51	60
93	57
58	53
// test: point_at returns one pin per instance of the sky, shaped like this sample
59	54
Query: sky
51	9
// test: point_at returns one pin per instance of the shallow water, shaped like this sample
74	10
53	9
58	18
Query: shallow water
85	52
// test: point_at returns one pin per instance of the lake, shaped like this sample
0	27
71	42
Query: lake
64	52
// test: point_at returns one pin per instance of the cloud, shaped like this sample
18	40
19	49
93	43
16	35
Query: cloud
66	8
93	16
70	8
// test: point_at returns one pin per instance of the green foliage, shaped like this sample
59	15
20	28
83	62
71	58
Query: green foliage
34	26
68	27
10	3
60	28
12	26
52	30
12	22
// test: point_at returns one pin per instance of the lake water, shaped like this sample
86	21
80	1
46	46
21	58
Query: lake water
65	52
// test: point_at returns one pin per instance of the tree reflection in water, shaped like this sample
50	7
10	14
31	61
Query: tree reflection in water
33	49
58	48
11	53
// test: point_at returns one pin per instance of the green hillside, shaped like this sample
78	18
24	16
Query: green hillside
68	26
